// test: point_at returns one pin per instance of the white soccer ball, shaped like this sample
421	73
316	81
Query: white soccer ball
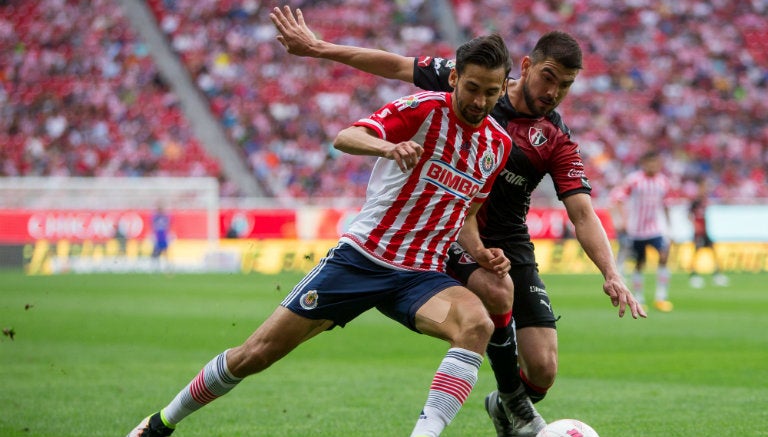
567	428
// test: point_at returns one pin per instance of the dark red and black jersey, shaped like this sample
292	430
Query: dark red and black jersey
698	211
541	145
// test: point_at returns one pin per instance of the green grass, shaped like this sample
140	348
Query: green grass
94	354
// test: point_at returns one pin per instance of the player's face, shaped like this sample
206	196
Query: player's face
652	165
476	92
545	85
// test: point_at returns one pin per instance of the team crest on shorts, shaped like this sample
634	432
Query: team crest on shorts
487	163
467	259
309	300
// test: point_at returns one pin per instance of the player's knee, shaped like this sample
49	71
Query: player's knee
542	373
496	293
476	328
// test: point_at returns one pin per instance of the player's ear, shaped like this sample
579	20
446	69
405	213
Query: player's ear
525	66
453	78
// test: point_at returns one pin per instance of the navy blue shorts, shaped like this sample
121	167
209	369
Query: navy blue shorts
661	244
346	284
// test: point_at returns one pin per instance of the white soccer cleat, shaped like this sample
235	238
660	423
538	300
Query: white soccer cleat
696	281
720	280
514	416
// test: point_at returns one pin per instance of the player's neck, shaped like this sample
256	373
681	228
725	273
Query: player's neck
515	96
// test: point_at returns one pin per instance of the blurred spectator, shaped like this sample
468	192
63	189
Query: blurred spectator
80	95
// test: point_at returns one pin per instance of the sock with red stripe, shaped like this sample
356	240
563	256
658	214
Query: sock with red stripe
213	381
452	384
535	392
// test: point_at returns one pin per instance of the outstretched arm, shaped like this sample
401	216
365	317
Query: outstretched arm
592	237
299	40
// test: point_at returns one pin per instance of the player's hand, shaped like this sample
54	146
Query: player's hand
493	259
622	297
405	154
295	35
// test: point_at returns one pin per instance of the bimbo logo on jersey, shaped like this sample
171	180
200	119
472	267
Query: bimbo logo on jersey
450	179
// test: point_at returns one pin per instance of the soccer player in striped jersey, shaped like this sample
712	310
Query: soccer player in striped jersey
522	314
642	202
438	154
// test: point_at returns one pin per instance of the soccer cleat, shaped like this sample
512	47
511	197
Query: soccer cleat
696	281
152	426
518	418
720	280
664	306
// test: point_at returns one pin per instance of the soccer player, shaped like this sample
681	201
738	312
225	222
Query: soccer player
438	155
642	201
701	239
161	227
542	145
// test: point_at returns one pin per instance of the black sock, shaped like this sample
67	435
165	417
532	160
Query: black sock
502	354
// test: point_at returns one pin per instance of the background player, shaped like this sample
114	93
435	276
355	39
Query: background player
439	153
542	145
161	228
642	201
701	239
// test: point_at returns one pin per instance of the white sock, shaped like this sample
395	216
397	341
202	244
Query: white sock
637	287
662	284
213	381
451	385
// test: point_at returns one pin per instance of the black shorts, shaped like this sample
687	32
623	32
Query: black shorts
702	240
531	306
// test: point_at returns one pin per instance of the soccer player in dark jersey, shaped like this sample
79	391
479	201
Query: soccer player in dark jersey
697	213
542	145
438	155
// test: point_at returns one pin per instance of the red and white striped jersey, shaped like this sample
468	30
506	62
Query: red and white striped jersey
409	219
646	199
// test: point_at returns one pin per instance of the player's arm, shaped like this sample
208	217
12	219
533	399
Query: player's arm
299	40
360	140
592	237
469	237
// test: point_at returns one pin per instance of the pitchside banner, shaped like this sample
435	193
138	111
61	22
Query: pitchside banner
29	226
269	241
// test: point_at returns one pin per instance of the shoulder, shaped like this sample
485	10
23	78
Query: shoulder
557	121
498	130
428	98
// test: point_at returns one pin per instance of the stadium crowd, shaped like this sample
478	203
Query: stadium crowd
81	96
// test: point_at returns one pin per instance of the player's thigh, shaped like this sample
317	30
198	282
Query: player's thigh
458	316
496	292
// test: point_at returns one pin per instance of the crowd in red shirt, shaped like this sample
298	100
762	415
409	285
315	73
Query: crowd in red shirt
82	97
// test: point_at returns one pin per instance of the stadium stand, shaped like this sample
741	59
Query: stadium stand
81	97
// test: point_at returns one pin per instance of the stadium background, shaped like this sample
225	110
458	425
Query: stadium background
189	89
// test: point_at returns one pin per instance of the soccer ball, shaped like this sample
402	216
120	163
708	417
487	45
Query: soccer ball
567	428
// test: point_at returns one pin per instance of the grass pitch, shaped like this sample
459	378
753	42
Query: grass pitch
93	354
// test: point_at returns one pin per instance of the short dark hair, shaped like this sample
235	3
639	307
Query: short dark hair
560	47
650	154
488	51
